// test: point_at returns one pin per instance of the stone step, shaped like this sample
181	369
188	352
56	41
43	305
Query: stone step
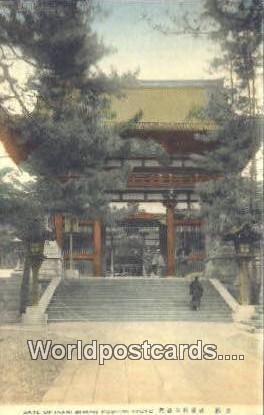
143	318
134	300
186	311
103	300
138	306
140	313
137	312
116	290
132	306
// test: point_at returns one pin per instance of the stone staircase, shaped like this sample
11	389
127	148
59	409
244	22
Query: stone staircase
134	299
9	299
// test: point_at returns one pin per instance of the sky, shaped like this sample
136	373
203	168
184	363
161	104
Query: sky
138	46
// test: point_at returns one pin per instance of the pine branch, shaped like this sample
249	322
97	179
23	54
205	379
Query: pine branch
11	82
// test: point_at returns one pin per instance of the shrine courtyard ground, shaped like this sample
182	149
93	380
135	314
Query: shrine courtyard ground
226	382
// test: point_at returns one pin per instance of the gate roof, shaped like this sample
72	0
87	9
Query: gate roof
165	104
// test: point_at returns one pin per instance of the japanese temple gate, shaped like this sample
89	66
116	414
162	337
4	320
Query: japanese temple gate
165	107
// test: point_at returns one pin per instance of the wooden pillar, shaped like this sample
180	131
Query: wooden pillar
170	205
97	239
59	231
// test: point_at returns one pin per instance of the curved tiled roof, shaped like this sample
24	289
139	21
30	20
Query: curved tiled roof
165	104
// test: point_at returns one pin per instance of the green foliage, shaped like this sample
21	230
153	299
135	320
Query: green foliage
236	26
225	204
21	209
229	202
234	139
66	132
64	126
238	31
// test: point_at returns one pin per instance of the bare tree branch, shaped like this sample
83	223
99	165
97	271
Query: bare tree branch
22	58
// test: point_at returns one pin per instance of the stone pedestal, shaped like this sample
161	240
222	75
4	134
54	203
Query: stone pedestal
34	316
52	265
222	264
71	274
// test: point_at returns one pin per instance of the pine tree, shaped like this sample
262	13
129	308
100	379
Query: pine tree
230	205
228	201
24	215
64	128
238	32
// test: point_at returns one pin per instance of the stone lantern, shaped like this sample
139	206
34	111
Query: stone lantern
244	238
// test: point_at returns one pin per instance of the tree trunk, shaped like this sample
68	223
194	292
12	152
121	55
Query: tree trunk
35	284
232	82
249	97
24	291
71	251
254	95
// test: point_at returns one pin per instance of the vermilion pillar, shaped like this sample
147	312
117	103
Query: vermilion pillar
97	249
58	224
170	205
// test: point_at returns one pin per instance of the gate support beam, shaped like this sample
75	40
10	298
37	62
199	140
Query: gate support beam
170	205
97	263
59	230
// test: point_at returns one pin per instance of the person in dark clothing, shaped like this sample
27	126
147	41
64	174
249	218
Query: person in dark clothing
196	292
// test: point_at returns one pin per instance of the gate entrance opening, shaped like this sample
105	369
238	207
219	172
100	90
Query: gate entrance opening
132	247
138	246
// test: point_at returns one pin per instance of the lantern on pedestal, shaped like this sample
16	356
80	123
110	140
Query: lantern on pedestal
244	238
19	251
36	254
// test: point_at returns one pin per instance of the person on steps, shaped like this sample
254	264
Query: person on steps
158	264
196	292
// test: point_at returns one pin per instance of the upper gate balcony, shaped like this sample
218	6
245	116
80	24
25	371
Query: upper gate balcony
169	113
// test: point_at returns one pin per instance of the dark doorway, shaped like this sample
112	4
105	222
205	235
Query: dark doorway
131	246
